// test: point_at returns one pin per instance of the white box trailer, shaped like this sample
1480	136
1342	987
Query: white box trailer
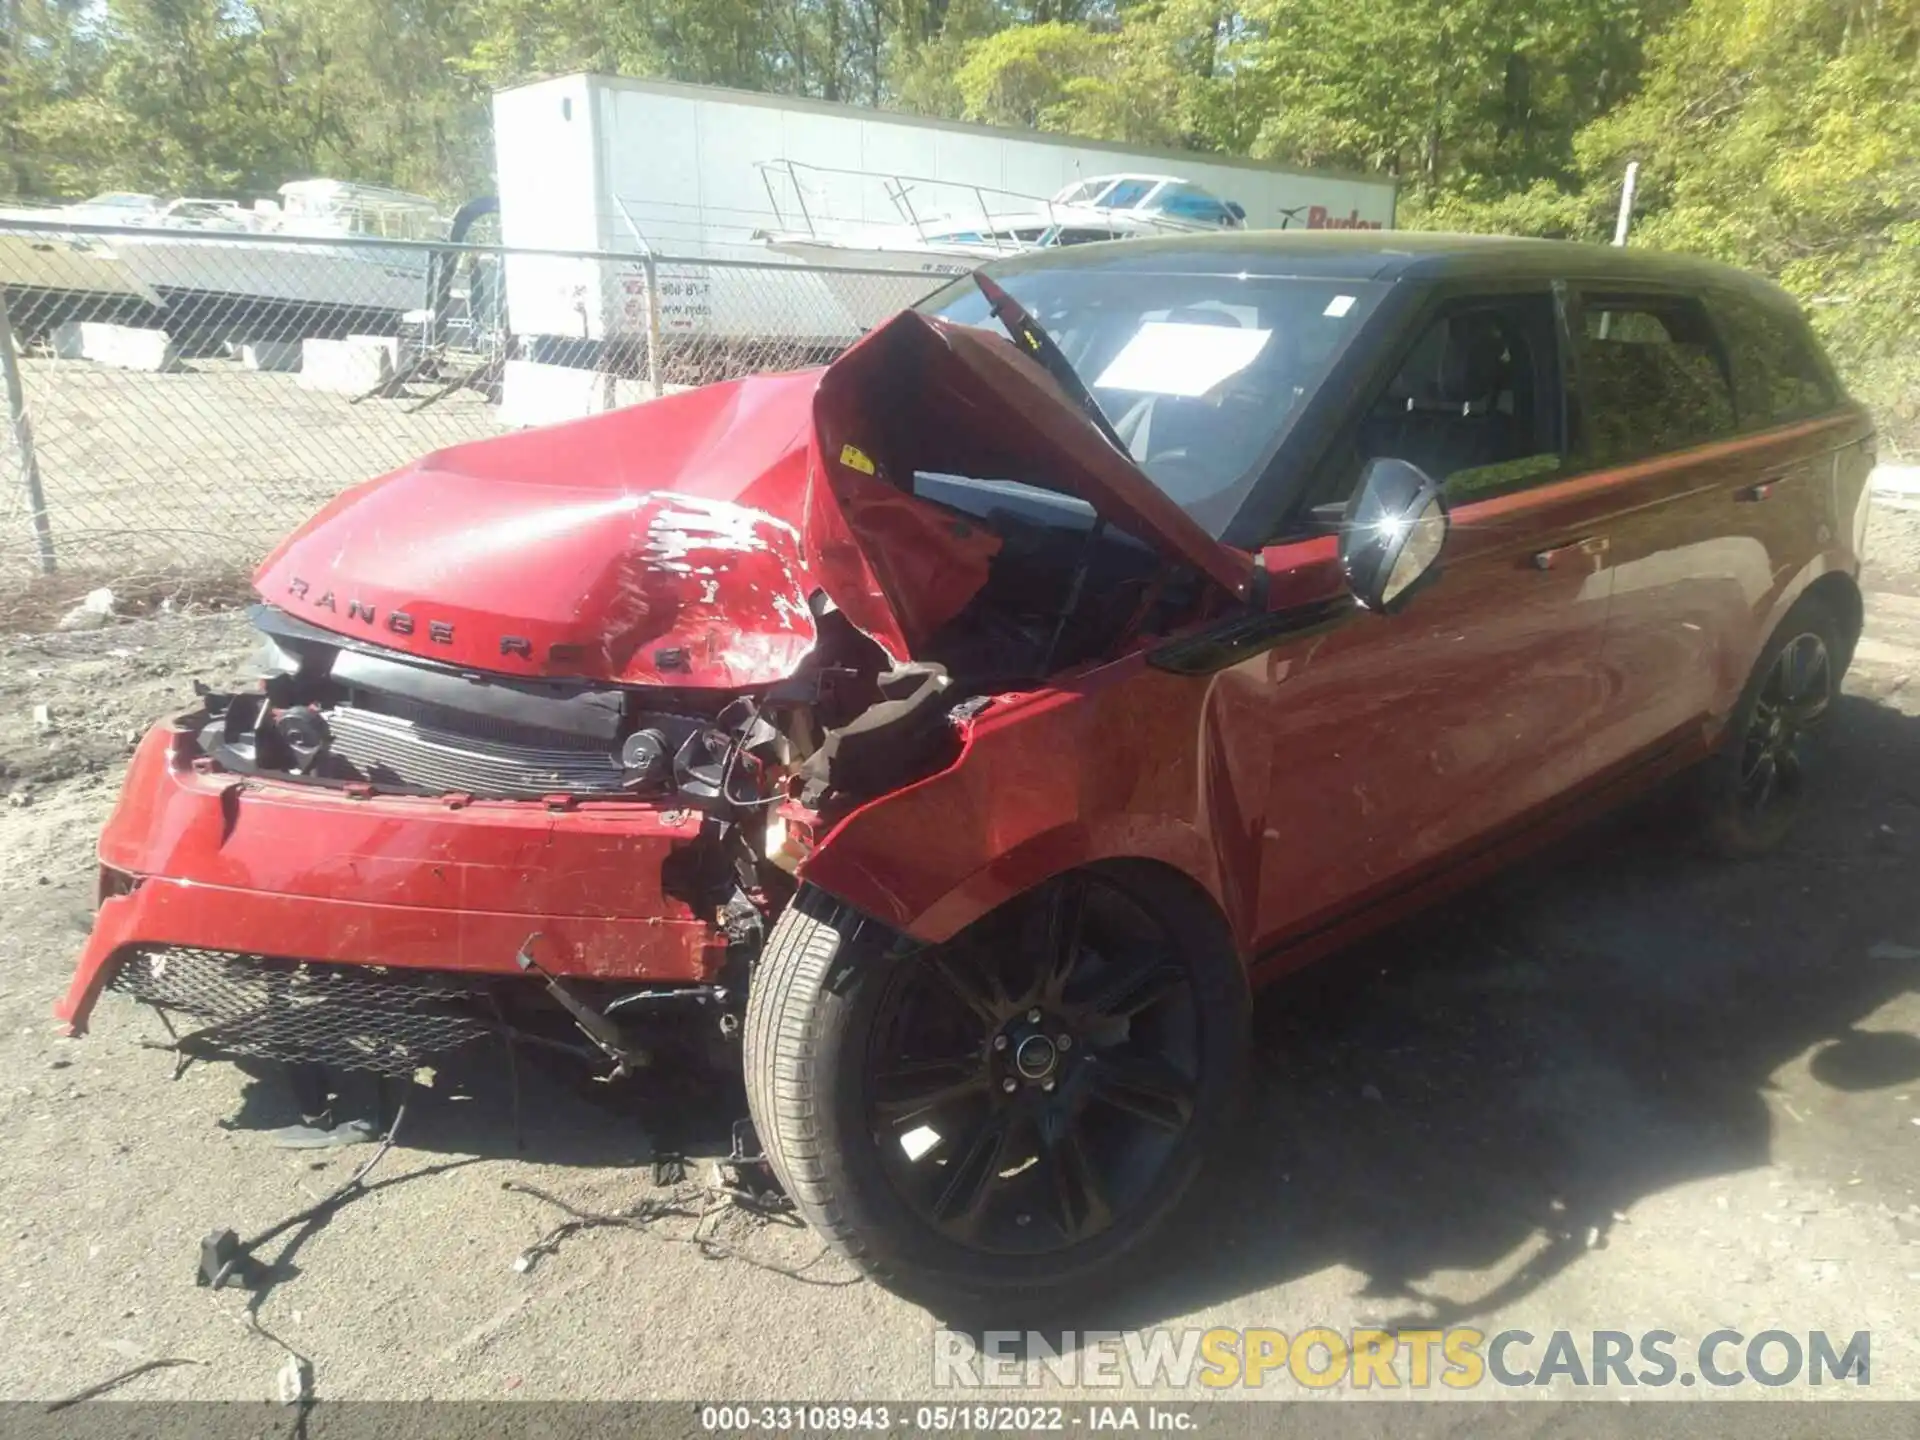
626	167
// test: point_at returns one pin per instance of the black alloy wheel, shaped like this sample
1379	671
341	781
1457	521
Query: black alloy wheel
1793	700
1752	788
1017	1111
1027	1088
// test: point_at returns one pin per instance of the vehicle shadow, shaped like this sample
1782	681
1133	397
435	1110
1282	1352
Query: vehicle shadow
482	1104
1483	1089
1486	1088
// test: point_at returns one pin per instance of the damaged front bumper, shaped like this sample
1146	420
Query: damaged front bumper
223	869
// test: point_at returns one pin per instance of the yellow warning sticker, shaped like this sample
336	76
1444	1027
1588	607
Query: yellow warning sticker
855	458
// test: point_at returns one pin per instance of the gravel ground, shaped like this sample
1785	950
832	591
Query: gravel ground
205	464
1617	1088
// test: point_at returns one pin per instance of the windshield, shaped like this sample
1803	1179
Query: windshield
1201	375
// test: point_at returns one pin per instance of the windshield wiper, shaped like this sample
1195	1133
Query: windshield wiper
1027	332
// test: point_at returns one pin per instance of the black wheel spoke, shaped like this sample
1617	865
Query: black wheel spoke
1761	783
1148	1089
1026	1084
1066	917
1135	988
1805	711
974	1172
1079	1194
1786	766
1805	682
915	1088
977	992
1803	662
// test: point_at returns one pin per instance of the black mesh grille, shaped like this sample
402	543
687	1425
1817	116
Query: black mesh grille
350	1017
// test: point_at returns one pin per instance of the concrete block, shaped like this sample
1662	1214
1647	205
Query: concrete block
402	350
122	347
1903	480
345	367
270	355
536	394
637	392
389	343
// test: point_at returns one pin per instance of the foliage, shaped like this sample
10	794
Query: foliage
1779	134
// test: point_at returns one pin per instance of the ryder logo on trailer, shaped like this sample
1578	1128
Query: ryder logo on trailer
1320	218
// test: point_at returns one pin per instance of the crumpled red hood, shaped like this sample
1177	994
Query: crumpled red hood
678	542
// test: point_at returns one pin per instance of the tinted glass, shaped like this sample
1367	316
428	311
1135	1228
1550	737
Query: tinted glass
1477	402
1201	375
1126	194
1081	235
1190	203
1778	377
1654	377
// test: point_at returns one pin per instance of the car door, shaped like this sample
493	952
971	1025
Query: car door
1402	743
1661	445
1798	438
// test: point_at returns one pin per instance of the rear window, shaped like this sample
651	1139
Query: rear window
1777	372
1653	375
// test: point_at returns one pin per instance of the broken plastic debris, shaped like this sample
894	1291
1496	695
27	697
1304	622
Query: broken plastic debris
295	1380
91	613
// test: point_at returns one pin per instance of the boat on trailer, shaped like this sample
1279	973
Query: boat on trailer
305	264
942	227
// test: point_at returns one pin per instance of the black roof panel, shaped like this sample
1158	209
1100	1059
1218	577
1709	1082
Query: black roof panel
1385	255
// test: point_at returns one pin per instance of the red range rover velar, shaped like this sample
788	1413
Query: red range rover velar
952	736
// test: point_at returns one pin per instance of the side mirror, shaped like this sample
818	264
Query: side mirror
1392	534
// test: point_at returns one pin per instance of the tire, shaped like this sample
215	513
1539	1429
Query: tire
1118	1128
1774	732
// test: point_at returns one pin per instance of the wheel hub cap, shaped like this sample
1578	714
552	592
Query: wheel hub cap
1036	1057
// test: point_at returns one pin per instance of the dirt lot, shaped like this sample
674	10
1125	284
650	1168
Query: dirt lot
207	463
1619	1088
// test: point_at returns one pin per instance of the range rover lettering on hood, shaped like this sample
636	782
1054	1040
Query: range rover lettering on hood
396	622
695	540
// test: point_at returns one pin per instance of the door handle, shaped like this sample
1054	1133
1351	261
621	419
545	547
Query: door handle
1590	546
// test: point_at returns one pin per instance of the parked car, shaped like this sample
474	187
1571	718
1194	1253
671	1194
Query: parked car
954	735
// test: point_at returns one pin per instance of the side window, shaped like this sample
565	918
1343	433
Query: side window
1777	374
1653	375
1080	235
1478	401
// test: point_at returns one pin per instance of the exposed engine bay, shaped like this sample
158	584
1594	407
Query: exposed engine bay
847	724
711	627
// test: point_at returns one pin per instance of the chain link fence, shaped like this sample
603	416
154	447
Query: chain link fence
179	399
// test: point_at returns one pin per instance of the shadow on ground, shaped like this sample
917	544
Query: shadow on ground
1592	1028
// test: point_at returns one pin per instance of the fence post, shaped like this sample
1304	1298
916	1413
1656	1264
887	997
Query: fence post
1625	216
23	442
652	269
